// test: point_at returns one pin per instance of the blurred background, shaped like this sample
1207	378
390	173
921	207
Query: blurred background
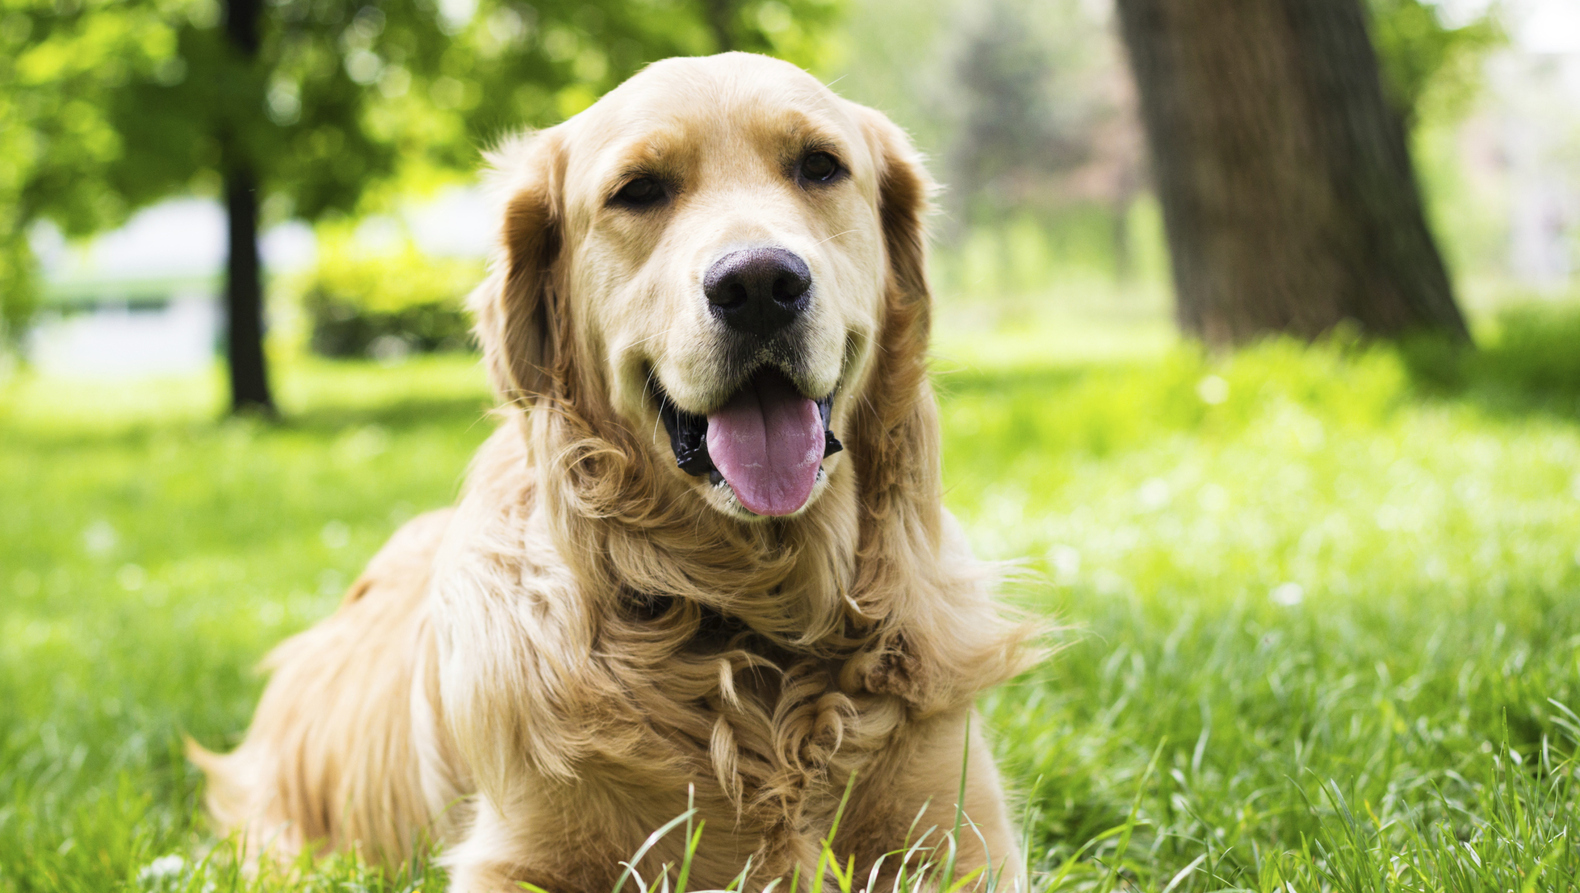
1257	348
360	127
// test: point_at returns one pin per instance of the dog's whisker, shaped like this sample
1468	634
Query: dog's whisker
647	387
834	236
653	337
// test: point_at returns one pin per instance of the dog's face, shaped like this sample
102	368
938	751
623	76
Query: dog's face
712	232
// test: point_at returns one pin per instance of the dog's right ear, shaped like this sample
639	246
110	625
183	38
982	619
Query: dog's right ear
515	307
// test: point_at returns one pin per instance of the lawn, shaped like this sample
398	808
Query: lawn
1320	607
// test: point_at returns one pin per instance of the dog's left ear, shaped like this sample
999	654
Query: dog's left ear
896	441
515	307
904	201
895	424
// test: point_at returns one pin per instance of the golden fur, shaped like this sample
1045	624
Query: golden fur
536	678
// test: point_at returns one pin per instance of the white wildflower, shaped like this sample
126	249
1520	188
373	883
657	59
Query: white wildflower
165	869
100	538
1288	594
1154	494
1212	390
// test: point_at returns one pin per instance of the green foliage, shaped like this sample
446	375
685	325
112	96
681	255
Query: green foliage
111	104
1419	53
347	329
361	303
796	30
1322	614
1531	362
1535	352
60	67
19	294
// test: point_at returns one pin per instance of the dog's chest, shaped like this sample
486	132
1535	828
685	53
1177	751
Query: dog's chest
755	731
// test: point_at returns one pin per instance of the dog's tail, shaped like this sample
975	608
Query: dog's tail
232	782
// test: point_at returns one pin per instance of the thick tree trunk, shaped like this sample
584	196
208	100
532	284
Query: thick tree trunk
249	377
1288	194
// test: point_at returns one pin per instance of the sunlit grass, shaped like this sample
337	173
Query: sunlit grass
1324	605
1310	587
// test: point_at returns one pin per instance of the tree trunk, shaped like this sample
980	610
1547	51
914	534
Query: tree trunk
249	376
1288	194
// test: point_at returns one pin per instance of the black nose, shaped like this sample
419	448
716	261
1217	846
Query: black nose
758	290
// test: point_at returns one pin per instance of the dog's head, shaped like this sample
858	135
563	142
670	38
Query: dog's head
715	252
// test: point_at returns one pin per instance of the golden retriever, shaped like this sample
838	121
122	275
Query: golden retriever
702	562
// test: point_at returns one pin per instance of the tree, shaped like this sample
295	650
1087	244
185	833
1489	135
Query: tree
1421	54
299	108
1039	117
59	66
792	30
1009	119
249	379
1289	197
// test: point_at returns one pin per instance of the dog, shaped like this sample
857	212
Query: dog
703	562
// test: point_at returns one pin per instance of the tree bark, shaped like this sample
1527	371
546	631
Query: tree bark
1288	194
249	376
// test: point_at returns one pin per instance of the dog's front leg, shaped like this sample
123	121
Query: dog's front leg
495	855
519	700
909	795
506	849
579	836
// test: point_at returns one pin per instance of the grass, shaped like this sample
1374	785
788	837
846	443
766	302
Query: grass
1323	604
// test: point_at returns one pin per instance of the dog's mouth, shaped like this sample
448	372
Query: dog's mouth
767	442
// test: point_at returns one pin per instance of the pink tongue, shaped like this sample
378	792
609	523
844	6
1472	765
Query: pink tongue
768	443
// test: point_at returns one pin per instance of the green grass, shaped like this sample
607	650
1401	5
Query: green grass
1322	606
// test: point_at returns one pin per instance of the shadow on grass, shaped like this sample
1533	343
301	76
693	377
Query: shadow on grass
976	381
399	415
323	420
1531	365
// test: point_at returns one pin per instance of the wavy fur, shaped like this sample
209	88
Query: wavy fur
542	676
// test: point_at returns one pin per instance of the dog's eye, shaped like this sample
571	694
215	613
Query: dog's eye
641	193
819	167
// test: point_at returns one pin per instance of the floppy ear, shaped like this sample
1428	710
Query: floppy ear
897	425
516	305
898	459
904	190
938	637
896	449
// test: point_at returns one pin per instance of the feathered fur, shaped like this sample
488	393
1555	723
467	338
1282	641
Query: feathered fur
542	676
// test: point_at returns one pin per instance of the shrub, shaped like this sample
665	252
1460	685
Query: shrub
388	304
1529	358
1538	349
